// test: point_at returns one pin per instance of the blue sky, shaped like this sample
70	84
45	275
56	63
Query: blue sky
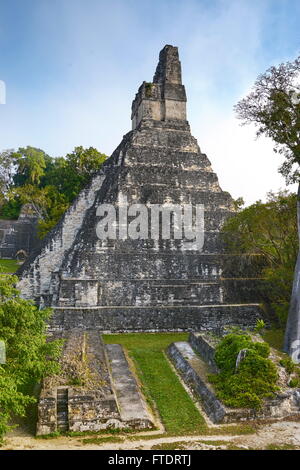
72	68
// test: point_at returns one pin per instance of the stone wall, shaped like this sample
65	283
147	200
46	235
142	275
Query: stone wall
20	234
165	318
88	395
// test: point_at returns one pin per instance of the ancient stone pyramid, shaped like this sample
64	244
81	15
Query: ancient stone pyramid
151	285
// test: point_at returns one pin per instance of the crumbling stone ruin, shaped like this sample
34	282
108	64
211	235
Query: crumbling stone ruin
96	390
19	237
195	359
143	284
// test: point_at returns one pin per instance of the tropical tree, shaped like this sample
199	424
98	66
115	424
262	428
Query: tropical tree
29	356
49	184
266	234
75	170
30	163
273	106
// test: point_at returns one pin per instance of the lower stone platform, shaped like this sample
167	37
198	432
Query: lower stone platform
96	390
155	318
194	360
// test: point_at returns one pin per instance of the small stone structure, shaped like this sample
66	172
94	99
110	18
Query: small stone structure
194	360
144	284
19	235
95	391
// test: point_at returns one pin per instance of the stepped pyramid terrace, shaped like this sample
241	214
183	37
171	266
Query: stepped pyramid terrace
147	283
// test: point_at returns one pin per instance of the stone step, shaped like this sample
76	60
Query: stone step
131	405
151	293
155	318
61	406
62	415
177	159
204	181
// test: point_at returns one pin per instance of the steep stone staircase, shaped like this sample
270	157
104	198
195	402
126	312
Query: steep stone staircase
62	409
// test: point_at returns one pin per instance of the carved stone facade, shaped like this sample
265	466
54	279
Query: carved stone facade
143	284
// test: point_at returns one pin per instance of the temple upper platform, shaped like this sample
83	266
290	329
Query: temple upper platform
163	99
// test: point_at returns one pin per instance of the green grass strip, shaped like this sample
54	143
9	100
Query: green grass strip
8	266
161	386
275	338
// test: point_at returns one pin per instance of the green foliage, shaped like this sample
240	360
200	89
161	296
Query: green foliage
271	108
288	364
8	266
148	89
48	184
231	345
274	337
29	356
238	203
291	368
30	164
69	175
11	208
254	379
51	435
268	231
294	383
260	325
56	204
281	309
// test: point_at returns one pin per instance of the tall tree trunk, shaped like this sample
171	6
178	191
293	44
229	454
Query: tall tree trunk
292	332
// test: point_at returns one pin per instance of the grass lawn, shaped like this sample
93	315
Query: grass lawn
8	266
275	338
161	386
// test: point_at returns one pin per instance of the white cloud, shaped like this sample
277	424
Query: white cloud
246	167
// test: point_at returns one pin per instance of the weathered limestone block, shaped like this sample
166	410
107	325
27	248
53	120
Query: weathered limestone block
204	344
47	417
89	412
132	407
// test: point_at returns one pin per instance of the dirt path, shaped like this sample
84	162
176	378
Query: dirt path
281	433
